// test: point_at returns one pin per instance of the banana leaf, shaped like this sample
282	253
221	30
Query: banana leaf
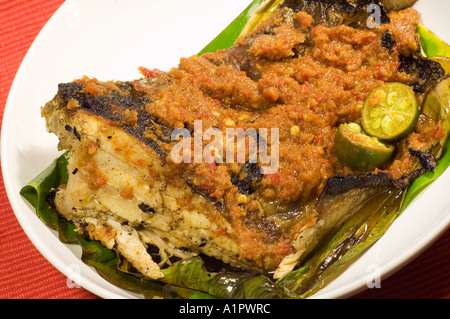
431	44
190	279
228	36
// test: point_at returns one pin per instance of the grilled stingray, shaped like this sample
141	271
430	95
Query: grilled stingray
126	191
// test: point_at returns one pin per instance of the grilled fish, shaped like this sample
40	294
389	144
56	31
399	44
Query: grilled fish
292	75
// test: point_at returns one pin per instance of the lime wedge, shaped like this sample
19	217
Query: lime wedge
359	151
390	111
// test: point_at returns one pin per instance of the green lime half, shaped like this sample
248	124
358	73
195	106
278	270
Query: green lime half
390	111
359	151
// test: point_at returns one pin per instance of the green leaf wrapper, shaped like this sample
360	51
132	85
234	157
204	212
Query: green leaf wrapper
431	44
228	36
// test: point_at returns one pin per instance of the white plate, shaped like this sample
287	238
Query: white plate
110	39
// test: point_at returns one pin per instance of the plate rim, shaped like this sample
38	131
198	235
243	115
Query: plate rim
350	289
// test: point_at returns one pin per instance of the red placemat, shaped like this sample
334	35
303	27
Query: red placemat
26	274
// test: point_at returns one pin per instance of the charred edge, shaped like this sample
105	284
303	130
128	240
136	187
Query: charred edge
426	159
132	100
335	12
427	70
342	184
139	133
339	5
406	180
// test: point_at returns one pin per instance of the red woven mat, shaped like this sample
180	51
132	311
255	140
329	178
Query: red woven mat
26	274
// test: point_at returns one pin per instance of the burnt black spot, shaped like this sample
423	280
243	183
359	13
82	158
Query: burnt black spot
76	133
67	90
387	41
69	128
50	199
153	251
146	208
83	231
202	243
73	130
248	179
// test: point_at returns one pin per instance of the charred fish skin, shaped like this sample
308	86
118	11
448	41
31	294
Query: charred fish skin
342	184
122	104
333	13
428	71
